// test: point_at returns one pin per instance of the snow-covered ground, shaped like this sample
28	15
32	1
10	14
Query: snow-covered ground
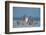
34	24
